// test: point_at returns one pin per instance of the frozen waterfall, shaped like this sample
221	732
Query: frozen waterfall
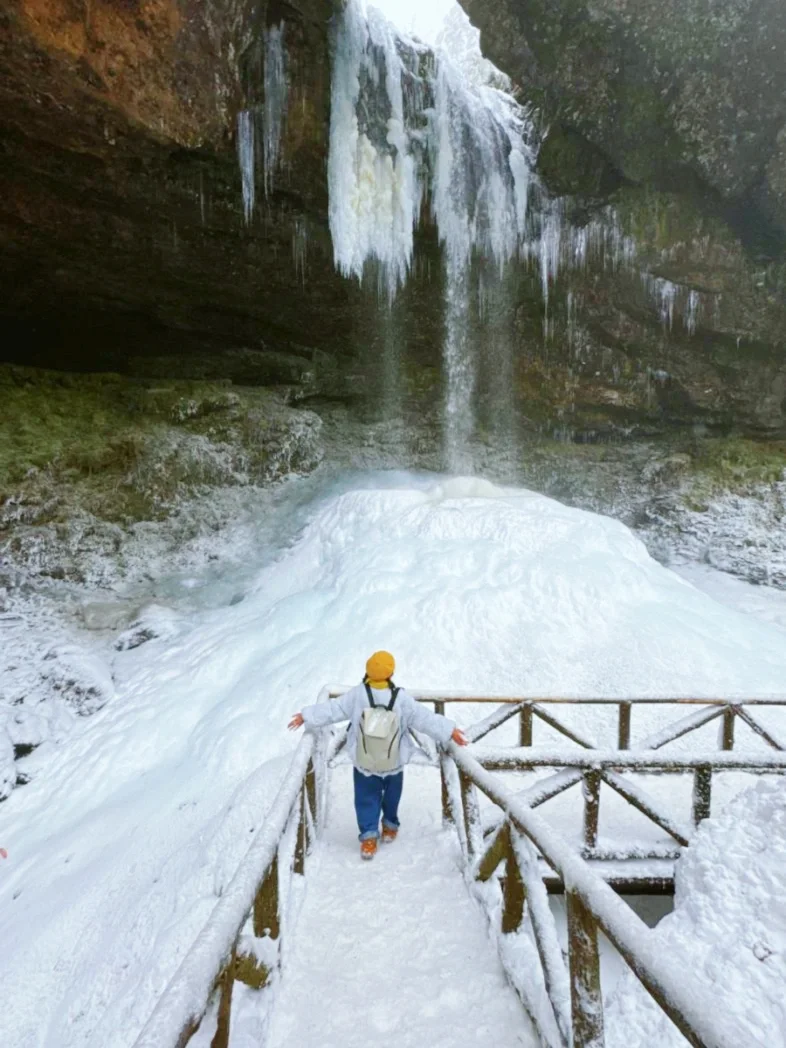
406	127
432	138
410	129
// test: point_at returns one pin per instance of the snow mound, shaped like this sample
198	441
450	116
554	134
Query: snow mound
477	587
123	841
729	924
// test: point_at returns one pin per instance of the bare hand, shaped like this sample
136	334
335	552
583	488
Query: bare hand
296	722
459	737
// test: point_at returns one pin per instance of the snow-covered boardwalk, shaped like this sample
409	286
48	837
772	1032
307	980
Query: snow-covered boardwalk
393	952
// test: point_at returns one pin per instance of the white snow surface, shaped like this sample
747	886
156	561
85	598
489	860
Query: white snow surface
120	845
729	924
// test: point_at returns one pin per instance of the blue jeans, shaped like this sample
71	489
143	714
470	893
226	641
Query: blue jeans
377	795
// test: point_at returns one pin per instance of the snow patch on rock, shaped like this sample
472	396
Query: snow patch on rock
155	622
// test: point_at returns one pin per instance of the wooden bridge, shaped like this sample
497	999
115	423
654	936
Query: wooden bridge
511	855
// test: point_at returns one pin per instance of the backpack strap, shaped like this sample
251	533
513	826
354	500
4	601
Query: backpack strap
393	695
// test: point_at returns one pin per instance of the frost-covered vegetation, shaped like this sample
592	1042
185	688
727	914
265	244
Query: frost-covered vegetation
126	450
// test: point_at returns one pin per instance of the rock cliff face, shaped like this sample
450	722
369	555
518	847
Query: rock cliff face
679	94
126	242
672	116
121	216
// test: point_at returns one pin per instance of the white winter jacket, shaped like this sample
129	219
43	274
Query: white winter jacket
412	715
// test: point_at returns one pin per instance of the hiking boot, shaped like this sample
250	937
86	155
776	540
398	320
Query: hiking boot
389	834
368	848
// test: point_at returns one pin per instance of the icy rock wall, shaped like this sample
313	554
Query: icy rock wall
421	135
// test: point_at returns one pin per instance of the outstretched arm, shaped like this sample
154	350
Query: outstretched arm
323	713
434	724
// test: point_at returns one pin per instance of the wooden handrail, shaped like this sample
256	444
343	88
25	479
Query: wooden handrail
333	691
510	758
183	1003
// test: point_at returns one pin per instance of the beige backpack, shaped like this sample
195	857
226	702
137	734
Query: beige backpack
379	735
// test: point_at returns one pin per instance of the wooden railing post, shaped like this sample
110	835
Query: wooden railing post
513	893
301	843
525	726
447	811
623	735
225	984
471	810
265	919
585	990
702	793
311	794
727	729
591	790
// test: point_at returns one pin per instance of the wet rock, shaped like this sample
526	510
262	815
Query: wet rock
666	468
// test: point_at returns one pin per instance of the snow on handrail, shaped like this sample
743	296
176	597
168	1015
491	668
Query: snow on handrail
333	691
183	1002
688	1001
500	757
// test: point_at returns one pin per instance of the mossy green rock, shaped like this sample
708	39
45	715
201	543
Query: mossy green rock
127	450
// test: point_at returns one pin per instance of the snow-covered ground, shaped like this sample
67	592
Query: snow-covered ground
138	815
393	952
762	602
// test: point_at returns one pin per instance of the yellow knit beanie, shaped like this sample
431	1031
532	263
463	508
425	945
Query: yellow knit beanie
380	667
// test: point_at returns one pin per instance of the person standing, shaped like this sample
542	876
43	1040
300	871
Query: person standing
380	717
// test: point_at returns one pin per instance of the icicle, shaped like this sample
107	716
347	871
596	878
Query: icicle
692	314
276	99
245	155
460	366
300	247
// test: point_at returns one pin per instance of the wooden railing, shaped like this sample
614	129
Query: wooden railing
572	1016
227	949
245	924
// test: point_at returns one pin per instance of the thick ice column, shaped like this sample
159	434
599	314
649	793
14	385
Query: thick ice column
460	368
374	188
